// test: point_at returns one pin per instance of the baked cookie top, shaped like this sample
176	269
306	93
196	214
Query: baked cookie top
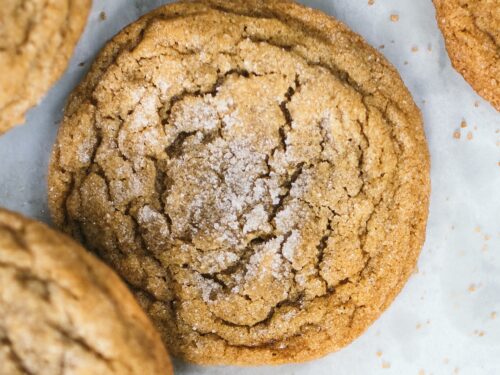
471	30
64	312
37	38
254	170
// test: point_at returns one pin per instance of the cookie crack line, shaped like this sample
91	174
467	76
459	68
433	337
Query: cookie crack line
19	237
15	357
83	344
485	31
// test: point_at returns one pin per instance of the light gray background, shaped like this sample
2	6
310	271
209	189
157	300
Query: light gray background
444	320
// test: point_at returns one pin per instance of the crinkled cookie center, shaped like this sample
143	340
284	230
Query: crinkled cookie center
240	170
227	181
251	188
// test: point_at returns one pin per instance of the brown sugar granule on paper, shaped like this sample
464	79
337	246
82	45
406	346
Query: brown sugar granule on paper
479	333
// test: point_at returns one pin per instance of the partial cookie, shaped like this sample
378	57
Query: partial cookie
64	312
37	38
254	169
471	30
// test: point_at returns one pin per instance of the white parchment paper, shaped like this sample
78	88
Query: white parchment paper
447	318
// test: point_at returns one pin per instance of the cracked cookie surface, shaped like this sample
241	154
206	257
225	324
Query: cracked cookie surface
37	38
256	172
64	312
471	30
